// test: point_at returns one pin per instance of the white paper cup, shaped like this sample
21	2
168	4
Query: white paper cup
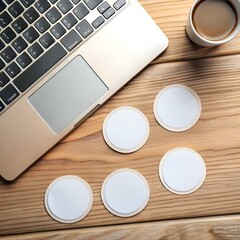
125	192
182	171
200	40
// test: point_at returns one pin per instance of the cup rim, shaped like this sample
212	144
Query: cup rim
218	42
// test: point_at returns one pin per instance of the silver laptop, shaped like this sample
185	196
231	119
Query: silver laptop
60	60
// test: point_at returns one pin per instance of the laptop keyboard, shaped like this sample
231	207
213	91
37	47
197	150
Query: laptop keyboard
36	35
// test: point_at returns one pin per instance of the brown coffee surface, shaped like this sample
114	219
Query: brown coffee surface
214	19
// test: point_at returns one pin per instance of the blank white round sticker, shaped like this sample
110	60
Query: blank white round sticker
182	170
126	129
177	108
68	199
125	192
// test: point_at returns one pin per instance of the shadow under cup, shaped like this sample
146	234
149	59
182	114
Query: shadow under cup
213	22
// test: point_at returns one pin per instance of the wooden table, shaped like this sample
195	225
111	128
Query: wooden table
212	212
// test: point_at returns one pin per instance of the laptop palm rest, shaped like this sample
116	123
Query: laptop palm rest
68	94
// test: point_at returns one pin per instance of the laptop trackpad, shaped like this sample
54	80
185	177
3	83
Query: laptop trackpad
68	94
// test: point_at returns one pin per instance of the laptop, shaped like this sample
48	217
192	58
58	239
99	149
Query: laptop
60	60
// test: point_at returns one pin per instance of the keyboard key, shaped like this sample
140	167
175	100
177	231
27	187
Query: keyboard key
19	44
27	3
19	25
4	79
35	50
31	15
92	3
1	106
15	9
84	28
53	15
41	66
2	64
9	1
42	5
64	5
42	25
24	60
80	11
69	21
108	13
2	45
103	7
58	30
8	54
5	19
13	70
2	6
9	93
7	35
118	4
71	40
98	22
76	1
47	40
31	34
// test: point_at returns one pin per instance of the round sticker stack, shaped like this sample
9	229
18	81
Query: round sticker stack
125	192
68	199
182	170
177	108
126	129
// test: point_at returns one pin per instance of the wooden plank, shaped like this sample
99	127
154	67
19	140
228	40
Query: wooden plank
214	228
171	16
84	153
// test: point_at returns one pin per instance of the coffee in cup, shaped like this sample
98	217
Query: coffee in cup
213	22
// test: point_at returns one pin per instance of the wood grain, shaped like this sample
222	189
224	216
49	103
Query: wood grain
214	228
84	153
171	16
